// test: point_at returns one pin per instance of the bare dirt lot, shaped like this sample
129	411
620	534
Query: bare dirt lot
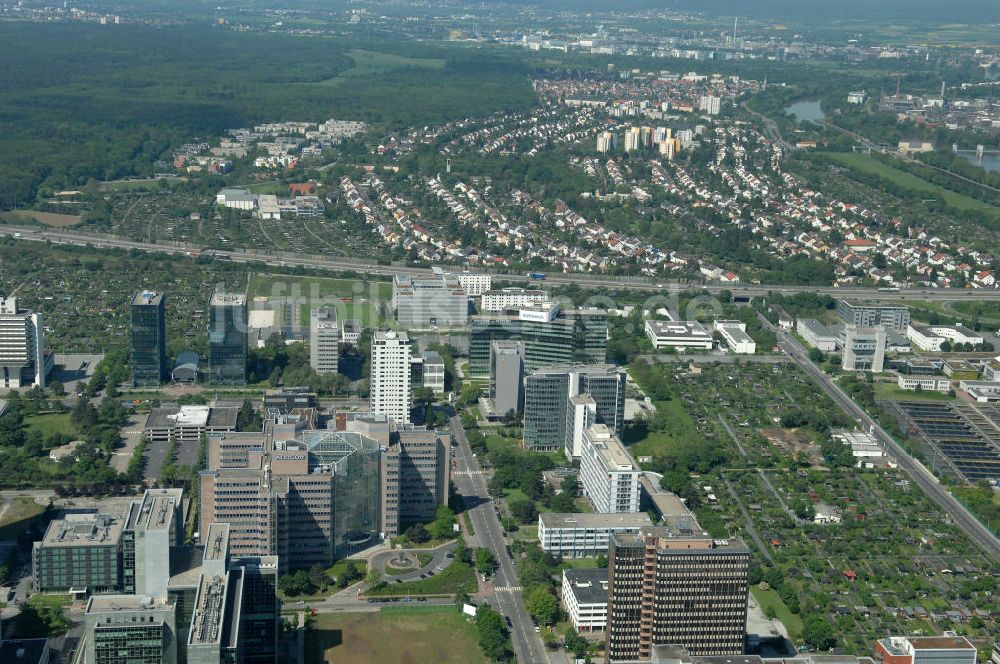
47	218
792	441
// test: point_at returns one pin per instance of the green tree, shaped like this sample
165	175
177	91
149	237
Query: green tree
818	632
485	562
443	526
542	605
493	636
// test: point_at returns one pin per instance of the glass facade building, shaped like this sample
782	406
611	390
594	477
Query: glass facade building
149	339
227	339
571	337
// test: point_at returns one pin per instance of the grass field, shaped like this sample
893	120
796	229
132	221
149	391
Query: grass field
418	635
769	599
868	164
17	517
45	218
373	63
986	309
51	423
682	428
455	578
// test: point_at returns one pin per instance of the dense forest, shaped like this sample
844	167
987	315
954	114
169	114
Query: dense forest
81	102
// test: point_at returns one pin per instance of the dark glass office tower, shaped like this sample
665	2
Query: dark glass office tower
149	339
227	339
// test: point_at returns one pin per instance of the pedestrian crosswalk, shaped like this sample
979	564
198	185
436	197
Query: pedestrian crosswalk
508	589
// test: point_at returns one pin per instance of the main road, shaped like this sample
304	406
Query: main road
369	266
471	484
964	519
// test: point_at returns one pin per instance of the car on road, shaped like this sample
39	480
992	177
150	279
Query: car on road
510	625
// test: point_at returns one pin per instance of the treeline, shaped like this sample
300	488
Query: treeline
81	102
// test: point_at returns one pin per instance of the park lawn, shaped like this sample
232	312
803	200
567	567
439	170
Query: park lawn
418	635
891	392
45	599
19	516
769	599
340	567
50	423
682	429
455	578
868	164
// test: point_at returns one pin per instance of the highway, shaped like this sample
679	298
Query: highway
370	266
964	519
471	484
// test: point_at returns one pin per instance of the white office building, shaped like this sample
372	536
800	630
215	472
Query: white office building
609	474
585	535
864	348
389	391
510	298
734	333
924	383
585	597
816	335
324	340
931	337
681	334
23	362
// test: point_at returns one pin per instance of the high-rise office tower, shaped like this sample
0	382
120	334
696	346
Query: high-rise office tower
227	339
673	584
22	346
547	394
148	334
389	390
507	376
324	340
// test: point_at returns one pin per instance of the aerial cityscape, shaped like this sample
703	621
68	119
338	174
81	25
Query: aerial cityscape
520	331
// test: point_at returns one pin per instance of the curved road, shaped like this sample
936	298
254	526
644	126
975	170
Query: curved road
285	259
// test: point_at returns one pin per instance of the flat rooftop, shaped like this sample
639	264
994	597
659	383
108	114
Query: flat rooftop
157	509
147	298
228	300
217	541
590	586
23	651
90	529
678	329
610	448
594	520
209	610
173	416
105	603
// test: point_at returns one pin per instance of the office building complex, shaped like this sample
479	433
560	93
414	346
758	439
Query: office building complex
681	334
675	585
816	335
864	349
311	497
23	362
227	339
427	370
389	388
149	339
609	474
438	301
550	336
584	535
893	317
507	377
324	340
548	408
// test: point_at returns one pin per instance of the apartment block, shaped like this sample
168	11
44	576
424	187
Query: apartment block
324	340
609	474
510	298
389	388
23	361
